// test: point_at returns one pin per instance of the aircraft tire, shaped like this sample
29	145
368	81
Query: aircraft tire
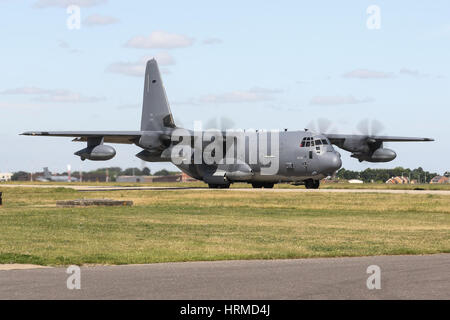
312	184
257	185
268	185
219	186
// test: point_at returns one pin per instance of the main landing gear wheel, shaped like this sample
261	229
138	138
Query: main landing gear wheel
312	184
219	186
268	185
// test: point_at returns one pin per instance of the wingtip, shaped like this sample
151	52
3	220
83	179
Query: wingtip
28	133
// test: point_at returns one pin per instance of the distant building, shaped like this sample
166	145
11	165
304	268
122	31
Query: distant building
398	180
5	176
134	179
355	181
439	179
169	178
187	178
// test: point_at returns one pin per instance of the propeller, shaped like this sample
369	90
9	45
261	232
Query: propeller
321	125
369	127
222	123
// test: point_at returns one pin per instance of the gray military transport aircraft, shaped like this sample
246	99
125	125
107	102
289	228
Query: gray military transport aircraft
47	177
259	157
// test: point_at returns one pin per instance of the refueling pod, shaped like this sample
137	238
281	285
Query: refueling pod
96	151
379	155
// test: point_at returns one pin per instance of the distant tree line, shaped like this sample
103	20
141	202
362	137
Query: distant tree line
97	175
382	175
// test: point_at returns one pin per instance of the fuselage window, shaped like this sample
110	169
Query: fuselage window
324	141
308	144
318	142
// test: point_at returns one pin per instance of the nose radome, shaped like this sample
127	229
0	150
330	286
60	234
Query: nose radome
333	162
337	161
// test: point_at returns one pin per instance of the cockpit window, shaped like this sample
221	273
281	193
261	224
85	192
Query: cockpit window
311	142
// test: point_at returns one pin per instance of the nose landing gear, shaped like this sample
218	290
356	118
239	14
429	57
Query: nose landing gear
312	184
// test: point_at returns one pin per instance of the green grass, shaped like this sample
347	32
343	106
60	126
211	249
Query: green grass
186	225
200	184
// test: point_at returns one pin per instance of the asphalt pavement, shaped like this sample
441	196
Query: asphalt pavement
400	277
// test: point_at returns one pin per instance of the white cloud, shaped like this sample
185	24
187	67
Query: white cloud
26	90
98	20
15	105
68	96
412	73
128	106
160	40
52	95
63	44
137	68
66	3
418	74
337	100
212	41
367	74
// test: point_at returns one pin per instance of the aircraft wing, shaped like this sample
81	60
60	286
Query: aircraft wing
369	147
339	138
127	137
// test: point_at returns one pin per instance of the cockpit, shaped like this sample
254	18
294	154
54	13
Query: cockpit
320	144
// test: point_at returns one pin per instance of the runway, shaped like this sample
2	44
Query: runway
402	277
87	188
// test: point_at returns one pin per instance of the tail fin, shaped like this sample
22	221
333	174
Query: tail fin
46	173
156	113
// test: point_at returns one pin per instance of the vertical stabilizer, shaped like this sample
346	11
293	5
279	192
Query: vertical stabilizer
47	173
156	113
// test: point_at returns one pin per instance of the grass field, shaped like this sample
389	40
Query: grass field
186	225
201	184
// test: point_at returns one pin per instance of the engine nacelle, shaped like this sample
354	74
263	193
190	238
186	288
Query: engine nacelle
100	152
154	140
379	155
383	155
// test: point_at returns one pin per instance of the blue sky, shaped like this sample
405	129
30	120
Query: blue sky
269	65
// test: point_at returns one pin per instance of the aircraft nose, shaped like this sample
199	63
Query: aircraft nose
336	161
333	163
